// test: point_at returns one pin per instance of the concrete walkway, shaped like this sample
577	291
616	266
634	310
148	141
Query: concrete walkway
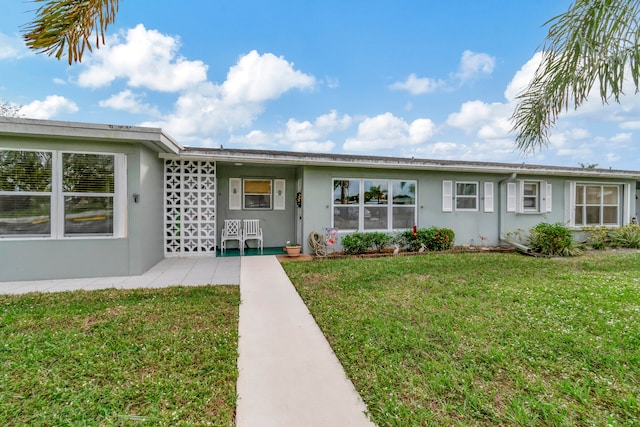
288	374
168	272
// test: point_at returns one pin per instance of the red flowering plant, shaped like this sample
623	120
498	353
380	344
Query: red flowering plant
432	239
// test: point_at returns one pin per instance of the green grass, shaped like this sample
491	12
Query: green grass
119	357
484	339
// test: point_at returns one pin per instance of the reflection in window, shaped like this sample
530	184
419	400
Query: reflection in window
373	204
597	205
25	193
466	196
257	194
88	184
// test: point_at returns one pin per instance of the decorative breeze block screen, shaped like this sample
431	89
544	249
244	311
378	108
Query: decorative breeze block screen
189	207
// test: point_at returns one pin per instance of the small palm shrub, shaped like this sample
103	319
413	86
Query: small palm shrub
597	237
626	237
552	239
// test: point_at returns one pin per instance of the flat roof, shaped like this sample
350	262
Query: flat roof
348	160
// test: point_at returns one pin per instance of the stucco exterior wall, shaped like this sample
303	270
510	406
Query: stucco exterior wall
137	251
278	226
470	227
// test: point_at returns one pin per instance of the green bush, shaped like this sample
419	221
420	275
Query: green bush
597	237
356	243
433	239
379	240
552	239
626	237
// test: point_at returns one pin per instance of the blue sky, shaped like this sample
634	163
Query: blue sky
411	78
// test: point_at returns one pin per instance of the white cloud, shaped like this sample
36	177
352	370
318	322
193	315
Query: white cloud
613	157
207	108
418	85
257	78
474	64
146	58
622	137
51	106
386	131
523	77
12	47
59	81
130	102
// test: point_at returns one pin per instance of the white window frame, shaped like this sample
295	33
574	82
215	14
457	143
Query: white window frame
475	197
361	204
620	205
57	214
245	194
516	196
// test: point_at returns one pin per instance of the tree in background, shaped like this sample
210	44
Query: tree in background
594	45
9	110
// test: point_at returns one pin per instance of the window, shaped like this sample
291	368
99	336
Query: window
466	196
61	194
88	189
25	193
257	193
373	204
529	196
597	205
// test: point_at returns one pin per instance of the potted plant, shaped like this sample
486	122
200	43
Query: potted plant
292	250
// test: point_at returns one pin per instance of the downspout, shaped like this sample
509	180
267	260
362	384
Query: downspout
502	181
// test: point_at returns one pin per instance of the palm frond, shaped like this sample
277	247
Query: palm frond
595	41
67	26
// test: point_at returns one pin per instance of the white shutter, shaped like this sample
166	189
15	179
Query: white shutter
447	196
235	194
511	196
570	203
488	196
549	198
278	194
629	204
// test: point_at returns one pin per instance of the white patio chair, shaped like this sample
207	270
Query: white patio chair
231	231
251	230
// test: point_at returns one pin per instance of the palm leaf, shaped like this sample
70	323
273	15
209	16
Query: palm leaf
67	26
595	41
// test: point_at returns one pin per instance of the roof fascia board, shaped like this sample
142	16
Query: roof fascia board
153	138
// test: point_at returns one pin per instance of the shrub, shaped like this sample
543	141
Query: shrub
379	240
433	239
552	239
356	243
626	237
596	237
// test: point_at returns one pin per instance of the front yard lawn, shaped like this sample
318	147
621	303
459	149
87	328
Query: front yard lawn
120	357
484	339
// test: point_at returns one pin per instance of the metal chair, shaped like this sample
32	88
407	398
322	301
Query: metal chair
251	230
231	231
